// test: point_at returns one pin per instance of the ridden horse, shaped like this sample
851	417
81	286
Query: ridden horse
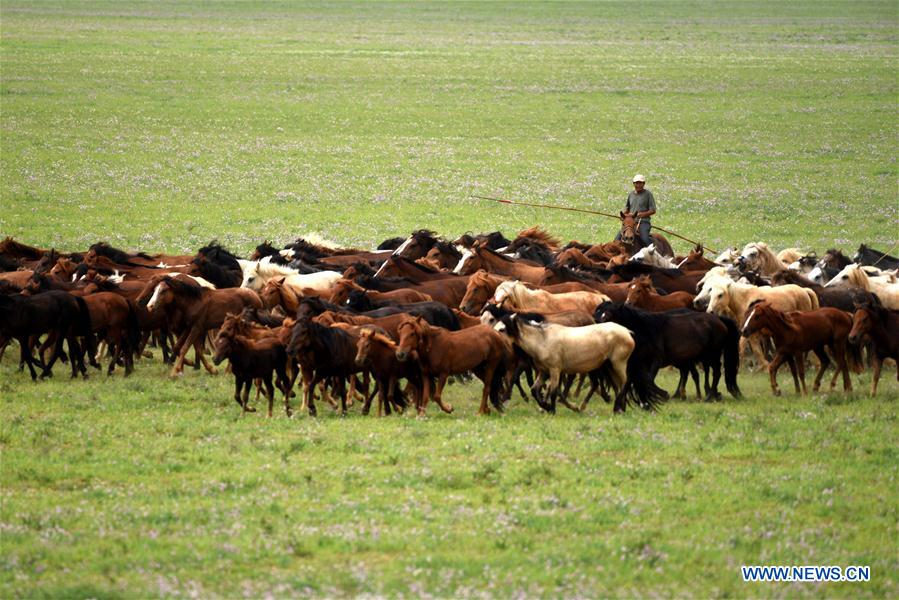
797	332
875	258
680	339
642	294
597	350
441	353
881	325
516	295
376	351
342	288
253	359
633	242
480	257
55	313
881	286
199	310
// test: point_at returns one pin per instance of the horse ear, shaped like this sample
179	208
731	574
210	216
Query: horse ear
621	214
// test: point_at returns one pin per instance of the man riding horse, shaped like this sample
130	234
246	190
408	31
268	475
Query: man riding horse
638	209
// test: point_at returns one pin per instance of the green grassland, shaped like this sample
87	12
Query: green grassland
161	125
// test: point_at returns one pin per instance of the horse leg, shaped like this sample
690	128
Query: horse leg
352	391
694	372
270	393
713	393
425	394
839	355
26	359
487	378
309	393
875	377
246	395
438	395
773	366
681	391
238	383
823	361
178	368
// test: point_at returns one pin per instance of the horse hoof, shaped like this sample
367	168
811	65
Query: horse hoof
776	392
250	409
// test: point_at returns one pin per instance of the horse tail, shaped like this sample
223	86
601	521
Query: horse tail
83	325
813	298
731	357
640	389
496	385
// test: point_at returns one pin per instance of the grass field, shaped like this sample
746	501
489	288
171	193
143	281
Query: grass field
161	125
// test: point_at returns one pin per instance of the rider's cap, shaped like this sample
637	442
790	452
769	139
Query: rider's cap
639	177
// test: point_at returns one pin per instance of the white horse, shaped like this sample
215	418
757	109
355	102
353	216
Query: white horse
517	296
257	272
883	286
650	256
728	257
760	258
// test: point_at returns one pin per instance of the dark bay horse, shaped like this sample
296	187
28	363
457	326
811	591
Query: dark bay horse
881	325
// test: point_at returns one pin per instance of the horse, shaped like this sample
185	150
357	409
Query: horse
418	245
137	259
57	313
257	273
434	312
881	286
441	353
342	289
533	235
571	257
875	258
376	351
797	332
116	321
12	249
199	310
516	295
253	359
830	264
445	255
881	325
670	280
480	257
649	256
397	266
834	297
642	294
448	292
759	257
633	242
696	261
493	240
680	339
557	350
480	289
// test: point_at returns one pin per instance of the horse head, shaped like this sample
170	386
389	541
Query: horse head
628	228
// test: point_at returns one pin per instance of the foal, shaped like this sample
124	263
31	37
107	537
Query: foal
642	294
797	332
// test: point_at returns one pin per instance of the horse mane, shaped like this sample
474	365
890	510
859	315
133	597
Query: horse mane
494	253
447	247
414	264
531	316
788	276
270	269
318	305
369	282
391	243
632	269
14	249
497	312
217	253
539	235
576	245
115	254
218	275
186	289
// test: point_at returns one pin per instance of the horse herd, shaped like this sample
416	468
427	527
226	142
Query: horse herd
398	322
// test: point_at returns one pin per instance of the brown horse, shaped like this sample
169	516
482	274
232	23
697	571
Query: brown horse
881	325
341	293
797	332
442	353
253	359
397	266
443	256
377	352
604	252
642	294
574	257
481	257
633	242
696	261
200	310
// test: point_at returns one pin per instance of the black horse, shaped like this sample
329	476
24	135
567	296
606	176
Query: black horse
433	312
871	257
681	339
56	313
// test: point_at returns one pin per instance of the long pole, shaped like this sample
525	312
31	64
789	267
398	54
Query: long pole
590	212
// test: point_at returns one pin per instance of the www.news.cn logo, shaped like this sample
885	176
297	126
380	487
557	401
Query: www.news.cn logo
812	573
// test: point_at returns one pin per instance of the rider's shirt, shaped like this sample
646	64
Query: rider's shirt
640	202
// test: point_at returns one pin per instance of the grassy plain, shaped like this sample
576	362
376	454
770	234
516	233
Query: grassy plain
161	125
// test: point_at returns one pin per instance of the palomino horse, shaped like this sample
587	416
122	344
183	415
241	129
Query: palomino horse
442	353
882	326
795	333
633	242
480	257
557	350
642	294
257	273
517	296
881	286
199	310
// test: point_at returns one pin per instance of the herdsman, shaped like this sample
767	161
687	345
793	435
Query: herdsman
641	204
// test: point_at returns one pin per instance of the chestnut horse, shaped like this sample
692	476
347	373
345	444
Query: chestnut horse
642	294
481	257
442	353
797	332
342	288
882	326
